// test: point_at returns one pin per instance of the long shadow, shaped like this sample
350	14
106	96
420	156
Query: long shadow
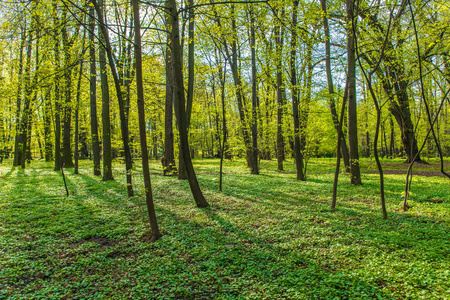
9	173
239	254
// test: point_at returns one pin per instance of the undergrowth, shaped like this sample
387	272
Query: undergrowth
265	237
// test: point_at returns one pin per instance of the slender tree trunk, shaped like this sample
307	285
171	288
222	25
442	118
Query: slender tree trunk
67	137
123	117
26	113
142	123
106	120
352	115
182	174
254	160
222	79
180	103
93	93
392	137
77	116
18	139
47	127
56	49
304	111
281	93
168	160
331	102
233	59
295	102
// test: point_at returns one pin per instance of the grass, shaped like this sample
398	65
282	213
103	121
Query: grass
265	237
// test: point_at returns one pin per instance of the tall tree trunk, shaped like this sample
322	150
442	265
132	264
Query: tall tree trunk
254	160
222	79
352	115
106	120
76	153
281	92
47	127
295	102
182	174
25	119
332	95
123	117
67	150
304	108
142	123
180	103
56	50
168	160
392	137
18	139
93	92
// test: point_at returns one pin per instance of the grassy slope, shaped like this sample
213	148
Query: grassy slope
265	237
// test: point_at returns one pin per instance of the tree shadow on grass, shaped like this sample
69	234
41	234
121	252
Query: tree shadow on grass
258	265
9	173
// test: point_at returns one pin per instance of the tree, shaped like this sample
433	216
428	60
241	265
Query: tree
106	122
281	91
179	97
299	165
351	98
93	91
331	93
119	94
168	161
254	157
142	124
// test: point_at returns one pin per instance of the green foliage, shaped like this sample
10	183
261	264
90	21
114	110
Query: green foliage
266	236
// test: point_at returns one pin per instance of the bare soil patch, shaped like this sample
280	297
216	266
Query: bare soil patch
420	169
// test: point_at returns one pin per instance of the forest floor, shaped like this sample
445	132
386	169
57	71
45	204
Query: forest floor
266	236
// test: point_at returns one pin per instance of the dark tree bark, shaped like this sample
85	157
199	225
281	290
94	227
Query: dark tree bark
93	94
351	94
254	157
77	116
392	137
142	123
67	44
182	174
306	99
222	79
57	95
281	93
106	121
25	119
48	145
179	98
18	139
168	160
123	116
295	101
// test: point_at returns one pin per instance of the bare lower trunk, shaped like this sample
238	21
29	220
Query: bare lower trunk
180	103
168	160
351	90
299	165
142	124
93	95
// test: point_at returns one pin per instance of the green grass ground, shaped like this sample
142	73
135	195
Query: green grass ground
265	237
